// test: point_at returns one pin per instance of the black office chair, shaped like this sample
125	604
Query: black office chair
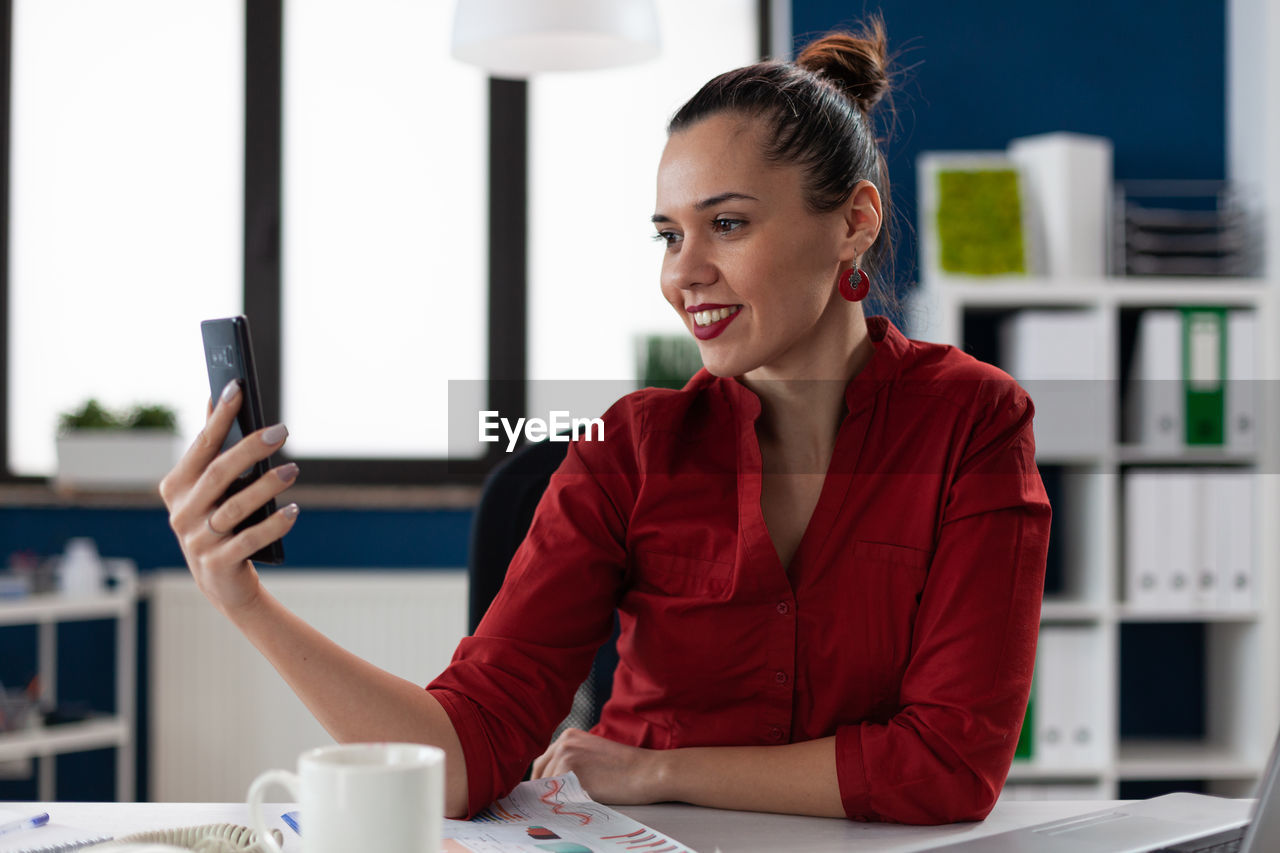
507	501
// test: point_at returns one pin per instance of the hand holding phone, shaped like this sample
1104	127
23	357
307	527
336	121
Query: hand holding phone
228	357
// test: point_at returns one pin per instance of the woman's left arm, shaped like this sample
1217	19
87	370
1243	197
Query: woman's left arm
798	778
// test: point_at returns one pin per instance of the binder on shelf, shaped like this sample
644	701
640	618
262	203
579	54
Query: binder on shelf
1025	749
1182	538
1159	533
1229	539
1154	400
1241	401
1059	357
1067	720
1051	745
1144	551
1212	548
1204	354
1085	732
1190	540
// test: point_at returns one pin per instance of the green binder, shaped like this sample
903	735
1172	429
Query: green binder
1204	370
1023	751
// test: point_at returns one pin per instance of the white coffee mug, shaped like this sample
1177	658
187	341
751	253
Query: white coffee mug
387	797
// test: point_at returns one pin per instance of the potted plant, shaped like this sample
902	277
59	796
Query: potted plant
101	450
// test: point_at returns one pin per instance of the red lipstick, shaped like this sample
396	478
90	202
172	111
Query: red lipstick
706	333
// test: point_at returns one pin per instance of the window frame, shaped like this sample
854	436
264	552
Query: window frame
508	168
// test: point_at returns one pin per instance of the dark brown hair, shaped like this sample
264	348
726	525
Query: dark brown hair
818	111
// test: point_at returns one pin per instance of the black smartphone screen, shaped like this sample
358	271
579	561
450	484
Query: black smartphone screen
228	356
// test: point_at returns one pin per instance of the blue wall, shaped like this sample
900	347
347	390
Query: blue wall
1150	76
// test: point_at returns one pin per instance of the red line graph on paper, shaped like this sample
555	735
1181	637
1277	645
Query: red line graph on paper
642	839
554	787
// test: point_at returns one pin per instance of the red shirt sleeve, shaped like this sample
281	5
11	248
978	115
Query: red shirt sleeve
944	756
511	684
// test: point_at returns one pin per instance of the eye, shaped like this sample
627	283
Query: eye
725	226
668	237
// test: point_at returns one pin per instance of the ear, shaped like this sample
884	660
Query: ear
861	218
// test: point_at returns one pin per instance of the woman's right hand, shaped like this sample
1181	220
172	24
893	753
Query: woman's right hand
219	559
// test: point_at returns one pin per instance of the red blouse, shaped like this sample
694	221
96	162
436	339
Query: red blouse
905	625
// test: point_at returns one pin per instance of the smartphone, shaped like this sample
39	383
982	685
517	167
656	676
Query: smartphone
228	356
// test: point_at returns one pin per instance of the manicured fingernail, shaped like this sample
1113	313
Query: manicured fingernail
275	434
287	473
290	511
230	391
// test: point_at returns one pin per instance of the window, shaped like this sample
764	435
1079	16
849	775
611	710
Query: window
149	140
595	142
126	145
384	279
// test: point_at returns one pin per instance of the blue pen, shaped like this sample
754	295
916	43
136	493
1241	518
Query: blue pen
24	823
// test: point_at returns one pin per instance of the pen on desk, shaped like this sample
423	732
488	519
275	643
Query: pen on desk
25	823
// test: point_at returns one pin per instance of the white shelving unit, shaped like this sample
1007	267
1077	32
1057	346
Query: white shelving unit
1242	649
46	612
1240	656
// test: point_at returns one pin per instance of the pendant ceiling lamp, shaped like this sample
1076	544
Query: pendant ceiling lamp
517	38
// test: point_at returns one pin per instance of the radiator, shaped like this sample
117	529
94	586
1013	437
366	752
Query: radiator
220	715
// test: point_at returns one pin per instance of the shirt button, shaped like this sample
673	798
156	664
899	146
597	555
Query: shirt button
783	608
775	734
780	677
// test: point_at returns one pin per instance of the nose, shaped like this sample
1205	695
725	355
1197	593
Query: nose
690	266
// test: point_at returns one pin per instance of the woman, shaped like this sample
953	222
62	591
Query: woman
826	552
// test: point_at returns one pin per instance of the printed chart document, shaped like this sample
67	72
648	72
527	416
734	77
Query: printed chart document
546	816
553	815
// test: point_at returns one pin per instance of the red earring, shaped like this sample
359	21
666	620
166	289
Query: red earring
851	291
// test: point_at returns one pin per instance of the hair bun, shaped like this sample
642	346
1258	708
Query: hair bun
855	62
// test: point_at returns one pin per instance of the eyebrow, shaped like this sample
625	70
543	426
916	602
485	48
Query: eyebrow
710	202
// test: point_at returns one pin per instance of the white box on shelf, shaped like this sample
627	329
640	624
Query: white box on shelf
1068	189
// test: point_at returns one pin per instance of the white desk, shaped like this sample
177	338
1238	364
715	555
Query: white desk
704	830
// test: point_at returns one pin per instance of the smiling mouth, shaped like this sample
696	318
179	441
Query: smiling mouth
706	318
710	322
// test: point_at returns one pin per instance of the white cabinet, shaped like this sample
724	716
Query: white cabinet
46	612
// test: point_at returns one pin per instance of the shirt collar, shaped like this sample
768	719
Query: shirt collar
886	361
890	346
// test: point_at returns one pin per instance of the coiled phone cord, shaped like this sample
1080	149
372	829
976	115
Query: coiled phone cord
210	838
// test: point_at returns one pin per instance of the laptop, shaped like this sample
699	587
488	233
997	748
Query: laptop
1174	823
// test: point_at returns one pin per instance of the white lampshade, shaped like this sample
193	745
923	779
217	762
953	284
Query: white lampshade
516	38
